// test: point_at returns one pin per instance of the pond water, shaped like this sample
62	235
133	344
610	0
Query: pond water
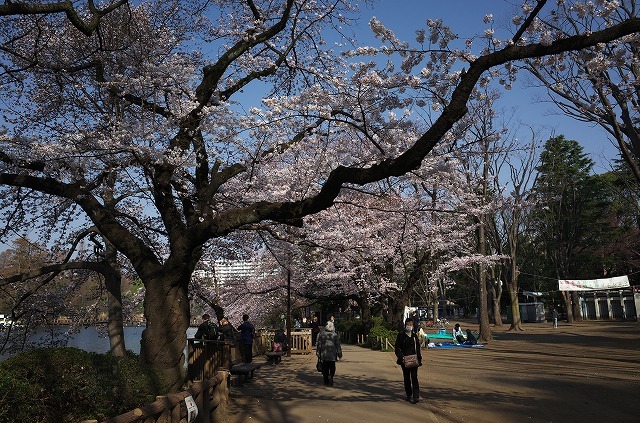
89	338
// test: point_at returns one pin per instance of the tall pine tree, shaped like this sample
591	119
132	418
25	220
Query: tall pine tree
571	218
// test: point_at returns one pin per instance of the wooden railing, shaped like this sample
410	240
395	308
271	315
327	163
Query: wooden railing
207	357
300	341
209	363
209	395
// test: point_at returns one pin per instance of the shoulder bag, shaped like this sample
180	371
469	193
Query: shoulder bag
410	361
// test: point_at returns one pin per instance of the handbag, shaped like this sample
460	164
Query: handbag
410	361
319	365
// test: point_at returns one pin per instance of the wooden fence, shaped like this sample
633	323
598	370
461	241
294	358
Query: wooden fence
209	395
300	341
376	342
208	368
205	358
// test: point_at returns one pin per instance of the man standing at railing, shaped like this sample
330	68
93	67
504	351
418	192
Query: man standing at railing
247	333
227	332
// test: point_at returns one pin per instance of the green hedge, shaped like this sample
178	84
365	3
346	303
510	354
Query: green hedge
68	385
382	330
351	328
378	327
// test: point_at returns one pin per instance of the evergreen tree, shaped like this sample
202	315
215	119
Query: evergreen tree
571	218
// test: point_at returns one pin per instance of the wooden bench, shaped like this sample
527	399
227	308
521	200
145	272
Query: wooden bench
275	356
244	369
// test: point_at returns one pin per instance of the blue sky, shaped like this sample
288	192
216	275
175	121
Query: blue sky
465	17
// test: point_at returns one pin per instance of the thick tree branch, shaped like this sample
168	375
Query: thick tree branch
135	249
412	158
87	27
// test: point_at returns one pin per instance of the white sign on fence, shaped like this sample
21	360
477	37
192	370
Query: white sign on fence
192	408
593	284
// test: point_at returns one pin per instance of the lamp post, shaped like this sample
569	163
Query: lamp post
289	310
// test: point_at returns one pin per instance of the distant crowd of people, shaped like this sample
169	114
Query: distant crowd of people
245	333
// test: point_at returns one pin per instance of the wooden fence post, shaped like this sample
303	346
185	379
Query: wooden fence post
221	394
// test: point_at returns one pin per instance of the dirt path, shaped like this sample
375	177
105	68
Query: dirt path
586	372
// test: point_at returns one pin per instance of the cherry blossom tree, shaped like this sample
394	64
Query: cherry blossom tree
597	85
86	20
50	286
156	98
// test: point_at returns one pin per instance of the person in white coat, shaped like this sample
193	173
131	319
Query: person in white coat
458	334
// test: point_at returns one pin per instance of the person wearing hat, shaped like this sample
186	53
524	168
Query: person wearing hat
329	351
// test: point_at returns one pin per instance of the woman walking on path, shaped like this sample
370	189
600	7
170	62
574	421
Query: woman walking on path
328	350
409	358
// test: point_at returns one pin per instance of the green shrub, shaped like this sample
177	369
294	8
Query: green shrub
350	328
383	330
68	384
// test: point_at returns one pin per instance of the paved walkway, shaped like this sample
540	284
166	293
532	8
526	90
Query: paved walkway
367	388
587	372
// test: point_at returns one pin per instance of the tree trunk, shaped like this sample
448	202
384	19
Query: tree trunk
496	296
435	308
365	306
443	299
497	317
166	310
115	325
516	323
577	312
396	303
485	330
566	295
113	280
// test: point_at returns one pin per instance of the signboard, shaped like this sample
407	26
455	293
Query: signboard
192	408
593	284
423	313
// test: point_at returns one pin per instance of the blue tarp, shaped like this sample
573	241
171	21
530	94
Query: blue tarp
452	345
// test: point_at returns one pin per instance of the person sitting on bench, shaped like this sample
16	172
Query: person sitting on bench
279	340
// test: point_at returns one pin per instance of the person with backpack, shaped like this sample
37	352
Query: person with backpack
328	350
207	330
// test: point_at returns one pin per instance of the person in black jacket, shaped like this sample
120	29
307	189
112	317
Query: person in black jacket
471	340
315	330
416	321
207	330
407	343
228	332
247	333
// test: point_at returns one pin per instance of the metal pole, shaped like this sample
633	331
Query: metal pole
289	311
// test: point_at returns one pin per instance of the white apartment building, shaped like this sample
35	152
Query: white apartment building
226	272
